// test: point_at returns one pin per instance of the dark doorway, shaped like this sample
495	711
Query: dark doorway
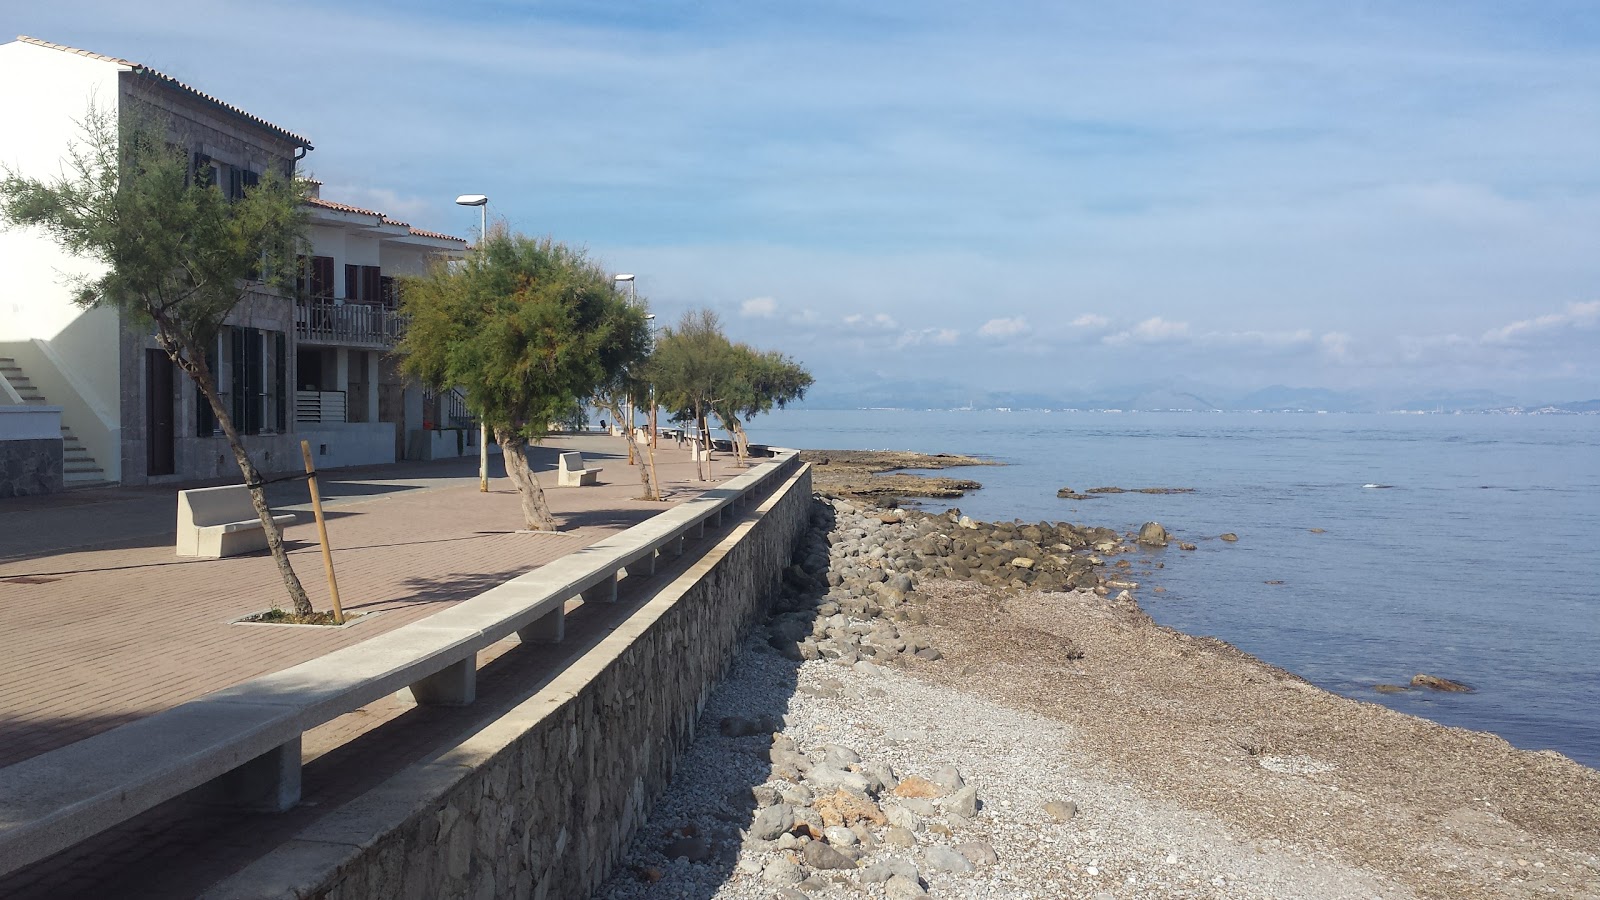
159	408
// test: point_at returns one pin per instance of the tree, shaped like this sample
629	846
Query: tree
530	328
630	388
753	382
180	255
688	367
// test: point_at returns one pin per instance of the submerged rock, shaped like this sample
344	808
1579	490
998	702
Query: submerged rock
1440	684
1152	534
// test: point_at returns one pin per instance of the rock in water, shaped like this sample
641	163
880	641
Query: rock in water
1440	684
1151	534
1230	537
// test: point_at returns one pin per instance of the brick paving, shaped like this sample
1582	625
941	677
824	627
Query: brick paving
99	635
428	540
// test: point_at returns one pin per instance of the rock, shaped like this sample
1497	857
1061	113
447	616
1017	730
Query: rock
963	802
818	855
903	818
1022	562
900	887
772	821
789	893
899	837
877	873
920	806
1229	536
1151	534
845	808
884	774
944	859
949	778
979	853
781	871
917	786
930	653
1440	684
694	849
828	777
839	757
739	726
1185	545
1390	688
1061	810
1319	530
840	836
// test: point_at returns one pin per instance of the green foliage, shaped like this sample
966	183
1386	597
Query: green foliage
529	327
180	254
697	369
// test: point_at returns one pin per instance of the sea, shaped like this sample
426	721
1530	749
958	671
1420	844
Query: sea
1371	547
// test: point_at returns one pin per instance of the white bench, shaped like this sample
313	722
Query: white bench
571	473
220	521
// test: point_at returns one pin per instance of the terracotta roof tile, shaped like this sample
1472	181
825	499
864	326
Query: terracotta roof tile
168	79
347	208
437	235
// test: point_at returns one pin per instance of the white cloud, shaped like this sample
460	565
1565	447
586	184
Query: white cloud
1154	330
939	337
1090	320
759	308
877	321
1577	315
1003	328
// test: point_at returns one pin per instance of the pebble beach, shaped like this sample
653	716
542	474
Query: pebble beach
947	708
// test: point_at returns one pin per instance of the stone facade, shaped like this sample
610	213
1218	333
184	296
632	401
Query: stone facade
30	467
542	803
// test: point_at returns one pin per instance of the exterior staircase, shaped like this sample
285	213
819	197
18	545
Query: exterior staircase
79	468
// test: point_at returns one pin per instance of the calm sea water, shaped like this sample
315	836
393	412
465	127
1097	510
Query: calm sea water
1479	562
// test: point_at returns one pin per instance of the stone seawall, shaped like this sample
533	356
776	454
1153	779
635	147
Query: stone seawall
542	802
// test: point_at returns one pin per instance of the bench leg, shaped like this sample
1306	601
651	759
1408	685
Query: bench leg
549	628
268	783
455	685
642	568
604	592
677	545
699	530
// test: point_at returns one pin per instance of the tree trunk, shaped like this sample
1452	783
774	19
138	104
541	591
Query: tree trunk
193	363
636	449
741	439
731	426
514	453
702	466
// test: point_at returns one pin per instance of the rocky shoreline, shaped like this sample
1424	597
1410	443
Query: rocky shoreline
874	474
942	707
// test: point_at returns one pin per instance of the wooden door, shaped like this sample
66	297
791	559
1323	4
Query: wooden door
159	414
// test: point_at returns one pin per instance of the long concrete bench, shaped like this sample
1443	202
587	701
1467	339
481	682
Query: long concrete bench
221	521
570	471
243	743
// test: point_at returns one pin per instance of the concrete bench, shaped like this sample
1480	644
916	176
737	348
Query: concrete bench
220	521
571	473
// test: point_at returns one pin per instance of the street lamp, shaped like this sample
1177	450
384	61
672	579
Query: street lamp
481	201
651	318
633	290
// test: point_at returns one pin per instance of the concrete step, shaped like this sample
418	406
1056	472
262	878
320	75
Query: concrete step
76	467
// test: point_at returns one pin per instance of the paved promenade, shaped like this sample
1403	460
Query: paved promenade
103	624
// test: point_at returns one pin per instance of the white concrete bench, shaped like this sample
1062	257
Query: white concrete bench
571	473
220	521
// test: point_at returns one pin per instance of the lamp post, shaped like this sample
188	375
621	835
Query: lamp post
481	201
633	289
651	318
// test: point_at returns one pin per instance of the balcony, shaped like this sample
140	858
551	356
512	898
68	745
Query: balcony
329	322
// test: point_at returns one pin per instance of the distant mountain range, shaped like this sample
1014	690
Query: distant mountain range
933	394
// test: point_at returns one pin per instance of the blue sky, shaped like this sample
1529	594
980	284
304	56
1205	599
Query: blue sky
1352	195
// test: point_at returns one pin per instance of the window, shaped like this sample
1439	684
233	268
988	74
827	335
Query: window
363	283
316	277
387	291
252	377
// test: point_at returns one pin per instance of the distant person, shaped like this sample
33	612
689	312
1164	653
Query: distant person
602	424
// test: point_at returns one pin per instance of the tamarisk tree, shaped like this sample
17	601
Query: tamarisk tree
531	328
753	382
180	256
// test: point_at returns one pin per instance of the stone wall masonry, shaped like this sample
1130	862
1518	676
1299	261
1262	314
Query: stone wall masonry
30	467
542	803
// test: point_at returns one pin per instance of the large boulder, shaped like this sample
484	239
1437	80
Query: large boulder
1151	534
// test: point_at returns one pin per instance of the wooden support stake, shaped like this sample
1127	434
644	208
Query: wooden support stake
322	532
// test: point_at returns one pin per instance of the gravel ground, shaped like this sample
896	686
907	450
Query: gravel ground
983	739
1120	843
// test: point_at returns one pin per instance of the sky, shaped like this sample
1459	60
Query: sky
1010	196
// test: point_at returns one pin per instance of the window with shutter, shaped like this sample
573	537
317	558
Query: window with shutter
371	284
352	282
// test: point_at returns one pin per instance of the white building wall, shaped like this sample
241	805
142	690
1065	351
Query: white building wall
39	323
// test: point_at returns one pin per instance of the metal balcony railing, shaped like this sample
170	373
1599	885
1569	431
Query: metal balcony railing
329	321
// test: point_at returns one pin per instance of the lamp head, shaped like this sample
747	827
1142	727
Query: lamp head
623	278
472	200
